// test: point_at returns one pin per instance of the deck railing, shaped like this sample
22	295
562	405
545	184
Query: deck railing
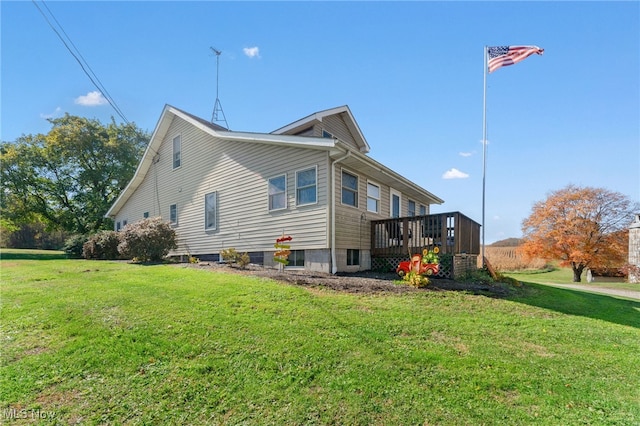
452	233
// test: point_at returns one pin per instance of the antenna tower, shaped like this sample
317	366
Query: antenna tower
218	114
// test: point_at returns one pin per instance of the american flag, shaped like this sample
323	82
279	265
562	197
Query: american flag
501	56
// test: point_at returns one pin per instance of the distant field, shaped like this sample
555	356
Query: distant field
508	259
98	342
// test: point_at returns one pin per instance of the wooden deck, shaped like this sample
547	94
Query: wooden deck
453	233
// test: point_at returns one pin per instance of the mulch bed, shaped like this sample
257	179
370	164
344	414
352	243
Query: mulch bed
367	282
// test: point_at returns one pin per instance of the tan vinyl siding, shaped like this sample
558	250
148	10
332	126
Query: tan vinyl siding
238	173
353	225
335	125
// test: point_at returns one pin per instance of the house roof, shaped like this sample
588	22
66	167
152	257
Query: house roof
335	147
317	117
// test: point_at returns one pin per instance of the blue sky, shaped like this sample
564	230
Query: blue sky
411	72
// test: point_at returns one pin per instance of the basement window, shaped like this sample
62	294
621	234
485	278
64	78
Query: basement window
296	259
353	257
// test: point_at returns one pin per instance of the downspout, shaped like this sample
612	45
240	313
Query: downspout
334	265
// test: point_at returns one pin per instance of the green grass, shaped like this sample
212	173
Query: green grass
561	275
101	342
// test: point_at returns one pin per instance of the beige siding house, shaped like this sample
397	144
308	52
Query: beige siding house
311	180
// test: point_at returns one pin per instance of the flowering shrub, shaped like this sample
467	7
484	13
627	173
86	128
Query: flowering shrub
147	240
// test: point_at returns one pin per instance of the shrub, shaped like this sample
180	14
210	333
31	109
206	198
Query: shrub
103	245
415	279
74	244
230	255
147	240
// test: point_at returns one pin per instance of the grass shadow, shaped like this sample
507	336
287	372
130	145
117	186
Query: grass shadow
32	255
576	302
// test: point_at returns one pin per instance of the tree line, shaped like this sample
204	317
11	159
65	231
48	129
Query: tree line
63	182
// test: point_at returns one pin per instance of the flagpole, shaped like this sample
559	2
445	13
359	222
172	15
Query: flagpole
484	147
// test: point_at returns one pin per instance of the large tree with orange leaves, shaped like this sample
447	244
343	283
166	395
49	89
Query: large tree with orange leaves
583	227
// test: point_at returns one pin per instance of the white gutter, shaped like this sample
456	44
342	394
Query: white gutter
334	265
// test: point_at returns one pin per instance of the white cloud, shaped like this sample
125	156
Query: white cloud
252	52
55	113
496	217
94	98
465	154
454	174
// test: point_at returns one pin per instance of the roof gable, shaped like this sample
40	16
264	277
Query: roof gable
162	127
324	117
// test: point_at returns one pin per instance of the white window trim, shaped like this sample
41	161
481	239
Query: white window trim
342	170
286	198
215	225
315	167
393	192
173	152
377	199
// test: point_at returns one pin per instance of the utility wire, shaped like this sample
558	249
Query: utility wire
79	58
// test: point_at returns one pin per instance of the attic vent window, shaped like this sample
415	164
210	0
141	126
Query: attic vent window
327	135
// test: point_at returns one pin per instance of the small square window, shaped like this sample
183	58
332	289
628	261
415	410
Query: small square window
145	215
353	257
296	258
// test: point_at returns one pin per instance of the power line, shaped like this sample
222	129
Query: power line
79	58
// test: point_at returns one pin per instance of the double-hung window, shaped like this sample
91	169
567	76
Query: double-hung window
177	152
373	197
210	210
306	186
349	189
411	210
278	193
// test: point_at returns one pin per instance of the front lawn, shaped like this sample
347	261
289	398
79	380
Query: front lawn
99	342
